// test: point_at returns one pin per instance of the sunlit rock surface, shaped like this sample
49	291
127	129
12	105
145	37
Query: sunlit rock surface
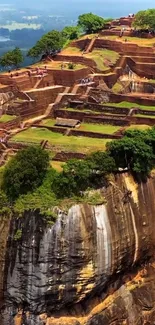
59	274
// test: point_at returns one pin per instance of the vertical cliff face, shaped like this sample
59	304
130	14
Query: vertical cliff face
60	269
4	232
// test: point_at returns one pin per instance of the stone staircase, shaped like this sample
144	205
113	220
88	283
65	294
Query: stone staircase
131	112
38	83
27	96
84	96
67	132
57	101
31	121
90	46
75	89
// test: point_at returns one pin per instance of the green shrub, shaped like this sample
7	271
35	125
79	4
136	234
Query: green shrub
71	66
18	235
25	171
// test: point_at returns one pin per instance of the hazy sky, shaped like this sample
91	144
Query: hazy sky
102	7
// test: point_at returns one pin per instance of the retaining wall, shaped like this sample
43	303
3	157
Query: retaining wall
90	134
100	108
45	96
117	98
77	60
90	118
142	120
126	48
142	69
11	124
69	77
64	156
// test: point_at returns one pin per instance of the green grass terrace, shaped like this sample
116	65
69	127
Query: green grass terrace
6	118
131	105
89	111
90	127
141	127
60	142
136	40
101	56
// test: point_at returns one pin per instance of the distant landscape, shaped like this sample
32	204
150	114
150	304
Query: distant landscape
23	27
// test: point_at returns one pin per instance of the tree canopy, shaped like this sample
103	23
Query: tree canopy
12	58
51	41
25	171
71	32
91	23
134	151
145	19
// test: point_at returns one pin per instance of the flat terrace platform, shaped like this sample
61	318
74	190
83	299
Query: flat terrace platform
43	89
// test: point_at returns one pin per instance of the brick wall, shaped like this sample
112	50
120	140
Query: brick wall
100	108
141	120
126	48
69	77
142	69
45	96
10	124
89	134
81	44
64	156
91	118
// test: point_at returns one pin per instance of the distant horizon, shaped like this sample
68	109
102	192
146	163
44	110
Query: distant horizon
111	8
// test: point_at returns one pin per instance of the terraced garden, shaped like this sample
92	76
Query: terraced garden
138	127
59	141
136	40
103	58
130	105
6	118
104	128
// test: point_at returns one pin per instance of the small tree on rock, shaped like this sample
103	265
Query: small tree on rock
12	58
145	19
51	41
71	32
91	23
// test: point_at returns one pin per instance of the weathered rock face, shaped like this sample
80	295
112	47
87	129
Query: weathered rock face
4	231
67	269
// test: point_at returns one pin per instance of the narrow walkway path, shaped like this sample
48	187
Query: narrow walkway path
90	46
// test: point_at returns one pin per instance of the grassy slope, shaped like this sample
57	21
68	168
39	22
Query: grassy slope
6	118
138	127
137	40
100	55
106	128
71	143
130	105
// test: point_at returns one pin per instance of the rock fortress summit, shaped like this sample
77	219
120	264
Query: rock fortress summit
94	264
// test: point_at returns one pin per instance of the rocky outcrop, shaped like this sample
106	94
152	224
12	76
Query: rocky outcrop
4	231
63	272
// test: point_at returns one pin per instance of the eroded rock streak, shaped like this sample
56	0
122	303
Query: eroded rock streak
53	269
